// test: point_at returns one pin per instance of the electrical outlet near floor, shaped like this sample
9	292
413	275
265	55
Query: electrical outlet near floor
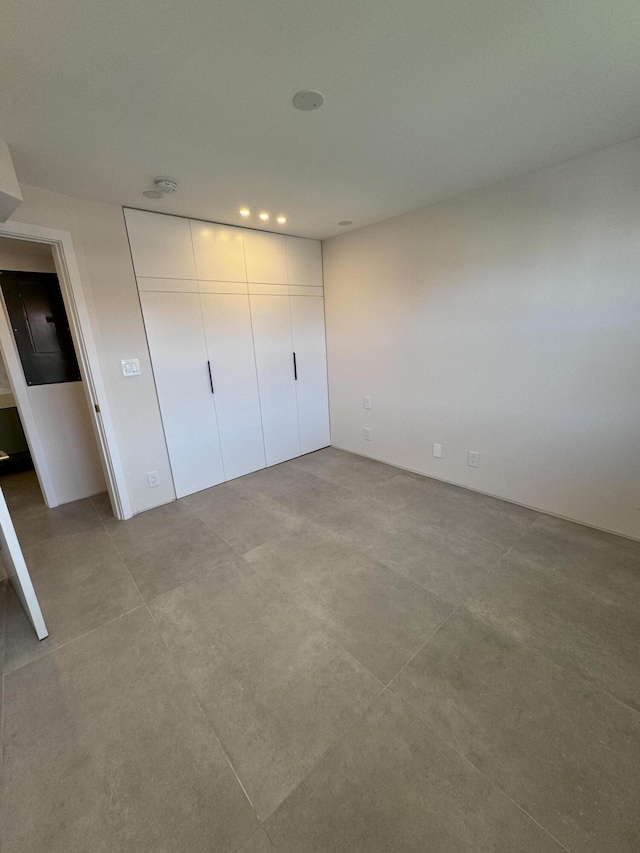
368	433
153	479
473	459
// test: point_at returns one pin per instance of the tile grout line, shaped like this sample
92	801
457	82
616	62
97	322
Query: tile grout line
205	717
188	683
321	757
477	769
592	684
71	641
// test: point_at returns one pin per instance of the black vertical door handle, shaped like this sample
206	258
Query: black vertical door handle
295	367
210	378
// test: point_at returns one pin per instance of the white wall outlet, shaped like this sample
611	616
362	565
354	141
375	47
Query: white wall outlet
368	433
367	402
473	459
130	366
153	479
437	451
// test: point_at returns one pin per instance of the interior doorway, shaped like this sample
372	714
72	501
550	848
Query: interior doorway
55	438
50	242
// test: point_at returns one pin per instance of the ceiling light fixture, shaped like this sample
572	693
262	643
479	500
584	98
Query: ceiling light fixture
164	186
244	211
281	220
264	216
345	222
307	100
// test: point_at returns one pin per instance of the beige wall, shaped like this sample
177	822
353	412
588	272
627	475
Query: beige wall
506	321
60	411
104	260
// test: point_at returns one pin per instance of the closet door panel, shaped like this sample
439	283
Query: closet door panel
271	319
304	261
266	257
218	252
160	245
307	317
173	323
227	323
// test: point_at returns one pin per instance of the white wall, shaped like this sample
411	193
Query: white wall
101	246
60	410
505	321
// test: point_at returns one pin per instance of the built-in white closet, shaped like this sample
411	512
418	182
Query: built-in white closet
235	325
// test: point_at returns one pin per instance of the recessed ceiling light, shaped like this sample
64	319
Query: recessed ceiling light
282	219
345	222
264	216
244	211
307	100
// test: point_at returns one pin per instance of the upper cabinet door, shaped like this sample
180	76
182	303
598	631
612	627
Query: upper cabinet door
173	322
160	245
304	261
266	257
307	319
219	252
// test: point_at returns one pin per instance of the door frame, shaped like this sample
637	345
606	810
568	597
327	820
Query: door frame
75	303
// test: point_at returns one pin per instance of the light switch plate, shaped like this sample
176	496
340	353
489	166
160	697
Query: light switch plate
437	451
367	402
130	366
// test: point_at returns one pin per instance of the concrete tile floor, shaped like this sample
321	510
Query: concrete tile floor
328	656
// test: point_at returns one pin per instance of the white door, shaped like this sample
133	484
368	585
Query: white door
18	572
271	319
307	319
227	324
173	323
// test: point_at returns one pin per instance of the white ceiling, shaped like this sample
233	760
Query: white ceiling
424	99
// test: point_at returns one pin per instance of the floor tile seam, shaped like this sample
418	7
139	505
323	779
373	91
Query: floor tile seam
188	683
572	583
53	649
326	478
287	508
634	544
477	769
23	545
210	525
325	753
204	714
480	539
494	568
588	682
361	544
36	572
426	643
461	536
199	574
310	617
377	562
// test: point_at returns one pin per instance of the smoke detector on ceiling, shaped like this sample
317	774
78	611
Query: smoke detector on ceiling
164	186
307	100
